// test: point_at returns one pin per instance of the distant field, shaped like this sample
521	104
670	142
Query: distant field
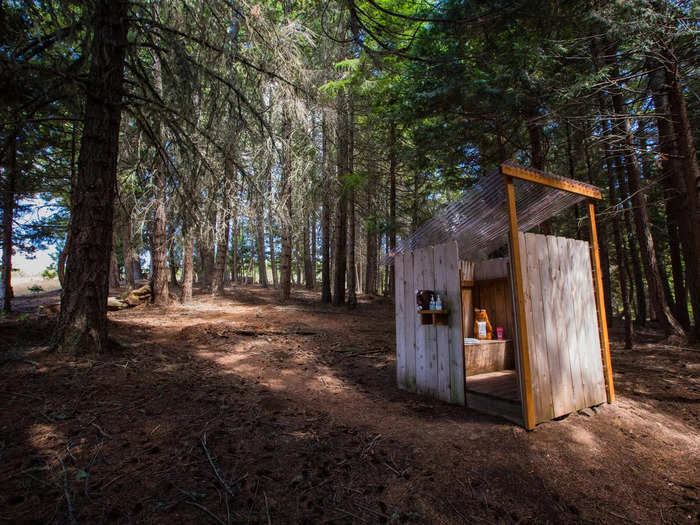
21	285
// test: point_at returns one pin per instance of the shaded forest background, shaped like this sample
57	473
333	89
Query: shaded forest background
297	142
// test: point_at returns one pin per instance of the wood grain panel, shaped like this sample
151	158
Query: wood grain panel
442	332
593	351
453	302
535	251
574	347
420	333
410	323
556	319
401	319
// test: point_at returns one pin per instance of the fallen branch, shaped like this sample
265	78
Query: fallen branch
204	509
66	493
213	466
267	509
104	434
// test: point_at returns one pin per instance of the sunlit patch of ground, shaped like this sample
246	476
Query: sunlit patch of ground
290	413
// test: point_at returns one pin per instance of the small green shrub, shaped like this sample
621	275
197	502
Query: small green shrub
49	273
35	288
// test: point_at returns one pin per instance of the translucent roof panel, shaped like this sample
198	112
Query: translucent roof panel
478	220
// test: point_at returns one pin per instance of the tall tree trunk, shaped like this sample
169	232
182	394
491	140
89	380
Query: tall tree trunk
113	269
159	247
286	212
234	250
306	251
127	249
187	264
371	240
260	240
641	219
392	202
639	286
603	232
273	253
63	254
352	267
623	276
138	273
172	264
689	224
205	246
674	188
223	232
326	217
8	214
341	223
635	274
313	249
82	321
643	231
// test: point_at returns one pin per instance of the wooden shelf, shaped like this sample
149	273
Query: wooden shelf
437	317
488	355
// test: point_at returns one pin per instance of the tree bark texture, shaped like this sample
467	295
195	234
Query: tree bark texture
223	232
159	248
689	226
286	213
82	321
641	219
306	252
188	265
623	276
371	241
674	185
127	249
260	239
313	248
205	247
113	269
350	149
234	251
326	216
341	222
8	214
392	201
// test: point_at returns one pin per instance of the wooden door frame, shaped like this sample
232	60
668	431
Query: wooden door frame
591	193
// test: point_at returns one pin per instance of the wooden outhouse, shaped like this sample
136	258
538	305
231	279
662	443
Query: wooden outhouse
545	298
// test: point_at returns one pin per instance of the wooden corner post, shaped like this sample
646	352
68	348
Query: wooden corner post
600	304
516	264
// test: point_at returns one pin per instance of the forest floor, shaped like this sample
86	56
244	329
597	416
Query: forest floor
239	409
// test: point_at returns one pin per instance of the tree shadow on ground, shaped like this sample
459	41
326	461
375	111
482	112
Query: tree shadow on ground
267	416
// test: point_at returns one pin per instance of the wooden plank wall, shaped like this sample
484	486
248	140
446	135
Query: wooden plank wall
429	358
565	358
492	291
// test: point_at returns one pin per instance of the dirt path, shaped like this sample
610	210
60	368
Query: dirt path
243	410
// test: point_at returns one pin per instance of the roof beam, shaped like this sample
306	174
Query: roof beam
559	183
